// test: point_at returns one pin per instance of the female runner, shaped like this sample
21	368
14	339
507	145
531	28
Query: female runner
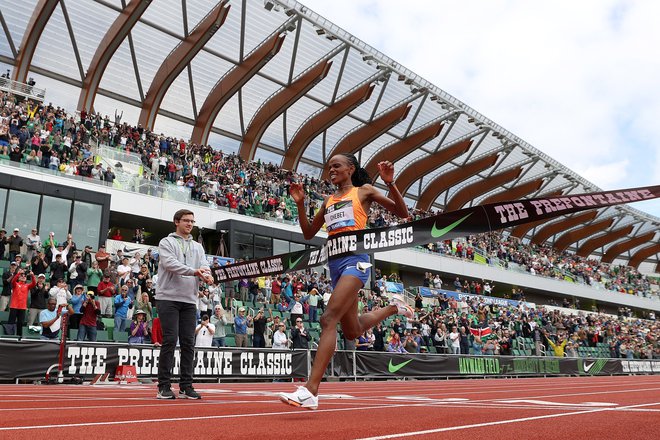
346	210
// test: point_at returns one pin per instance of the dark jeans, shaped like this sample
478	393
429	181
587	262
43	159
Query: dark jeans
87	332
178	320
258	341
17	316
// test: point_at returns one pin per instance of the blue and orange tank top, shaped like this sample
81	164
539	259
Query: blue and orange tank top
345	213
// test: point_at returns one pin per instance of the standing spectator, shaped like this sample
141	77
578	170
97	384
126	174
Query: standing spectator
219	320
106	291
122	304
259	323
7	277
455	341
124	271
144	304
90	309
139	329
38	297
241	323
33	244
313	302
86	256
3	243
204	333
60	292
182	261
296	308
102	257
58	268
15	242
77	272
39	264
280	340
19	299
94	276
77	299
300	337
379	337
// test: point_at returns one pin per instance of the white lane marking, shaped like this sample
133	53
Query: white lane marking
499	422
181	419
547	403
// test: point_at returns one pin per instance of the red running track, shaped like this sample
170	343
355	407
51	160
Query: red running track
584	408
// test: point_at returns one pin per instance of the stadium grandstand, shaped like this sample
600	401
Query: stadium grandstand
115	114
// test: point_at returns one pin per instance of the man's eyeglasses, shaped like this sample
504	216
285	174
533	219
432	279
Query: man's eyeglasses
185	220
298	320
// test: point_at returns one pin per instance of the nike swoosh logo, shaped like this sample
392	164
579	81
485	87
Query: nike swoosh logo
436	233
394	368
587	367
293	264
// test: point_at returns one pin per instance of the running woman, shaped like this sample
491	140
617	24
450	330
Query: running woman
346	210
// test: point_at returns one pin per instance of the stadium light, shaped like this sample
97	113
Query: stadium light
269	5
320	31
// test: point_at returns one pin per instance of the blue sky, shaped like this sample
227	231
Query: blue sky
578	80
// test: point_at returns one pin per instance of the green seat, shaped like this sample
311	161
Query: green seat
73	334
230	341
4	316
315	325
120	337
237	303
109	323
104	336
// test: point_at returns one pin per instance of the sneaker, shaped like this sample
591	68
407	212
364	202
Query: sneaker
165	393
402	308
301	398
189	393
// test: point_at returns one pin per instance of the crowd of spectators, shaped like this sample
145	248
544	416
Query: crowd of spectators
59	278
473	327
49	137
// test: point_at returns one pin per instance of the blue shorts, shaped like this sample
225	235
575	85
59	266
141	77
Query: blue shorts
347	266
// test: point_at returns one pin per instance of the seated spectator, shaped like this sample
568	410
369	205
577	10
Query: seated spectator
51	319
394	345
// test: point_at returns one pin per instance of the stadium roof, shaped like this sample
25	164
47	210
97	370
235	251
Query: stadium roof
273	80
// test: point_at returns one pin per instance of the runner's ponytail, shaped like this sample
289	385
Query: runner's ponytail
360	175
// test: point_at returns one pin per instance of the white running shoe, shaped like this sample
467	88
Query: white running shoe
301	398
403	308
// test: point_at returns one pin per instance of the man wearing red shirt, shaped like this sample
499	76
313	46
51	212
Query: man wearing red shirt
106	291
90	310
19	296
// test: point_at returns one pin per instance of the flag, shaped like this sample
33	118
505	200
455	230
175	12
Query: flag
481	330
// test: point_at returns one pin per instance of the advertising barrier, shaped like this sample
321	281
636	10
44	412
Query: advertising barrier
32	358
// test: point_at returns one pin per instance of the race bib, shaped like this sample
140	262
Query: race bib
339	215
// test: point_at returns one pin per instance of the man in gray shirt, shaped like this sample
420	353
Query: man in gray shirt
182	265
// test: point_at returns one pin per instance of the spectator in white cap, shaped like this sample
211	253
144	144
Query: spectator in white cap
241	323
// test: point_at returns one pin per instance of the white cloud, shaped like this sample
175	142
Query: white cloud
578	80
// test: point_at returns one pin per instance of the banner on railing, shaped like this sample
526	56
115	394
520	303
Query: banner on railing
473	220
32	359
400	365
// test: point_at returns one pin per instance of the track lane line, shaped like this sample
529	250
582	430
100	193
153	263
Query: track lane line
499	422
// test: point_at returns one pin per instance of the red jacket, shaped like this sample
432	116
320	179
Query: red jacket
20	292
103	285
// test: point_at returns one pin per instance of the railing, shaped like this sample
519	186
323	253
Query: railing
18	88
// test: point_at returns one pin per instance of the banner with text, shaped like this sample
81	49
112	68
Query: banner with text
32	359
474	220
